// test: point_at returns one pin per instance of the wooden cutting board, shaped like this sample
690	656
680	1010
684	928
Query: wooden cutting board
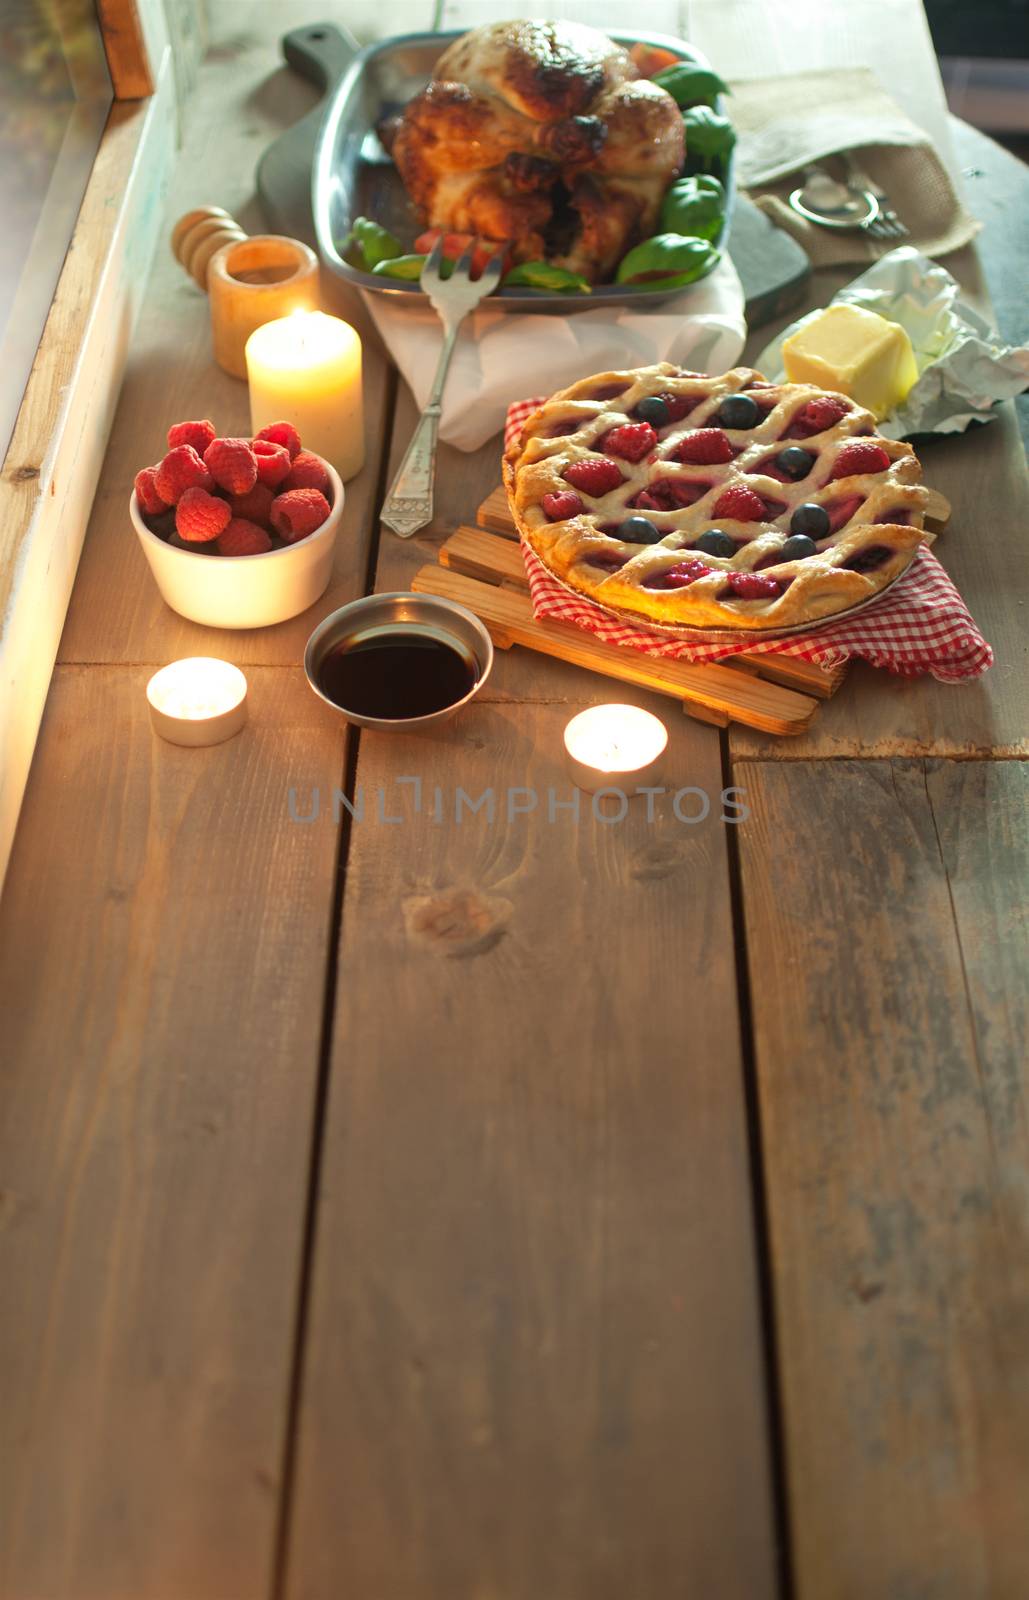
773	268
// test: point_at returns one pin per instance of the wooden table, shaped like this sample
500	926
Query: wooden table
526	1211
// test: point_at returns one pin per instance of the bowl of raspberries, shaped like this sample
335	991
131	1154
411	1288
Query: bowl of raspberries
239	533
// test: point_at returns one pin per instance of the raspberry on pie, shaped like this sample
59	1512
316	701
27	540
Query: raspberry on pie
705	446
822	411
593	475
632	441
740	503
706	474
860	455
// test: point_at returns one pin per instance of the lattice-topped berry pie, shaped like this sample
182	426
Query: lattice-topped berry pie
722	502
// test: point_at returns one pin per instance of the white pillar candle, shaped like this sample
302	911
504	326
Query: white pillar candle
614	746
197	701
306	369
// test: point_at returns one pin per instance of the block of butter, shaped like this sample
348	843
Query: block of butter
856	352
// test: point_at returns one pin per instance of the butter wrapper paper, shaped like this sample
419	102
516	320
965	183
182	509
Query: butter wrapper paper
963	368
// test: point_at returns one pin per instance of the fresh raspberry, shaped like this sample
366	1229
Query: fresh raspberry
741	504
753	585
298	512
198	434
243	538
200	516
282	433
824	411
859	455
632	441
273	462
147	497
562	505
255	505
180	470
684	573
704	447
594	477
232	464
308	472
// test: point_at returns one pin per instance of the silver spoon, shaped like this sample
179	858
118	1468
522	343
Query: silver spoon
834	205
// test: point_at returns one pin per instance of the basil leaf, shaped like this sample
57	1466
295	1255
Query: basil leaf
695	207
409	267
367	244
668	260
691	85
541	275
709	137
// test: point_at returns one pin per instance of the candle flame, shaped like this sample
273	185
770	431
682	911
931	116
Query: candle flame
196	688
615	738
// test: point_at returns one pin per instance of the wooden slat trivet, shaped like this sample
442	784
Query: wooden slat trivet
712	693
485	573
808	676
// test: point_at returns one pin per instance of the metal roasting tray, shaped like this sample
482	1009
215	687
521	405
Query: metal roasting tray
353	176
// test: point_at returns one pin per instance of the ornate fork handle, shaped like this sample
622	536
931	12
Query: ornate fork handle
408	505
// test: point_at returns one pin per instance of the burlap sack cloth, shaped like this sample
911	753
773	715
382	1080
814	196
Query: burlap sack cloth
784	124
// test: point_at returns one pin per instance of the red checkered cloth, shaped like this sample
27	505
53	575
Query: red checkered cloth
920	625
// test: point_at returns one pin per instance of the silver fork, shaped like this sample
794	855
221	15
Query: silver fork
408	505
887	224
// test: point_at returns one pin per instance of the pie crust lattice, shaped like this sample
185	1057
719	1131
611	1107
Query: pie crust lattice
876	517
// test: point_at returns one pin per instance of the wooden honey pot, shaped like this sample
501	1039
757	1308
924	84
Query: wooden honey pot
250	279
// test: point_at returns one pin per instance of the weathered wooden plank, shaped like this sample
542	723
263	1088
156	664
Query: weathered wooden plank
891	1058
163	941
983	474
50	471
534	1362
116	612
877	714
995	183
125	45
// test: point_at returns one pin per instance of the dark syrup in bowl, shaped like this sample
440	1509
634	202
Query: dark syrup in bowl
397	673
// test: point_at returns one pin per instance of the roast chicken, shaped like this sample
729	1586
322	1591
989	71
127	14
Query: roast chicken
541	134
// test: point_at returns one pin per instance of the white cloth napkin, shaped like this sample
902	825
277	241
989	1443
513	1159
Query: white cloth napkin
502	355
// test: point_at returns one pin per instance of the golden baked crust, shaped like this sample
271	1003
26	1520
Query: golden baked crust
541	134
877	517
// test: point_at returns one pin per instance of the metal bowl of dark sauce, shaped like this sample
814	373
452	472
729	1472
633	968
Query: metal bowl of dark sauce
398	660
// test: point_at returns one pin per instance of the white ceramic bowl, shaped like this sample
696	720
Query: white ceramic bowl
244	591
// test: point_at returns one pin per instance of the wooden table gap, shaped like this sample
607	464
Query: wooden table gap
762	1230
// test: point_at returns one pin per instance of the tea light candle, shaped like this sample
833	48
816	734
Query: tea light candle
613	746
197	701
306	369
